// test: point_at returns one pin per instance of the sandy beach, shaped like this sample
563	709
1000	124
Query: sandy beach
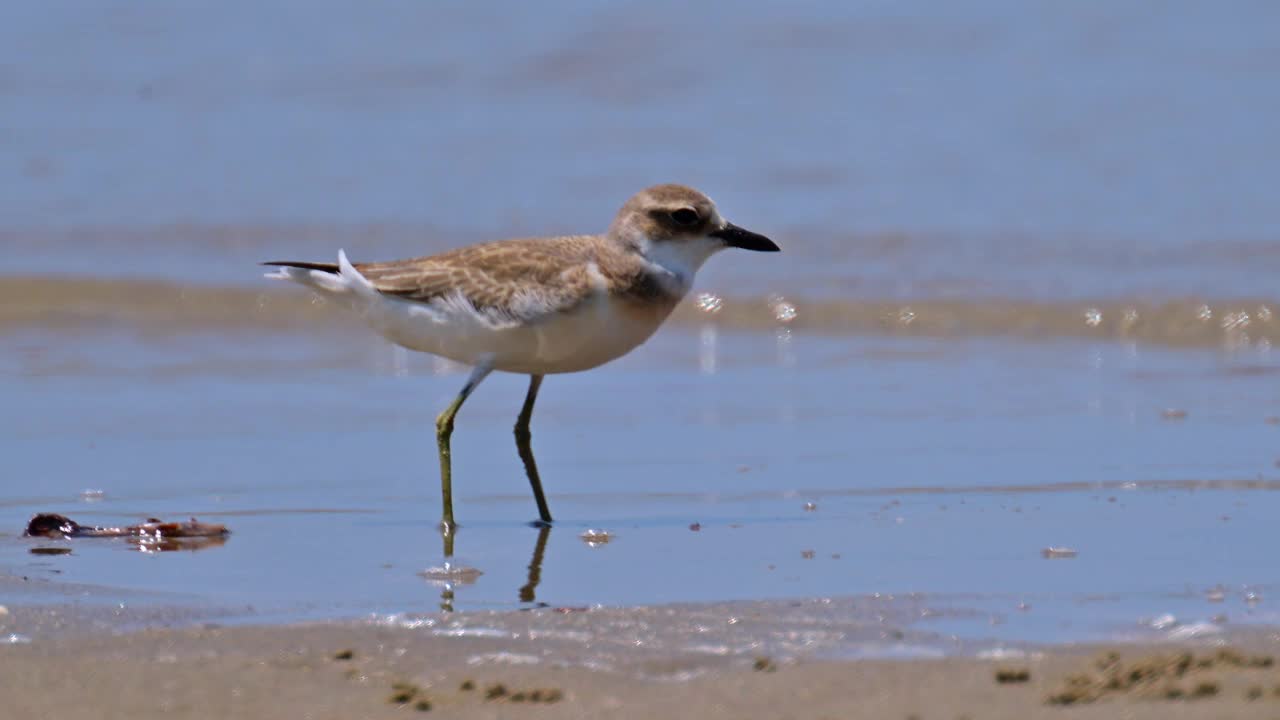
328	671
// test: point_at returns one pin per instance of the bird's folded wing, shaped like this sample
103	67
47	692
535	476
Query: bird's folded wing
518	280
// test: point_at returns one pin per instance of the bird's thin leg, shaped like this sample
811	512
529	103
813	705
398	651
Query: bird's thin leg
444	429
526	452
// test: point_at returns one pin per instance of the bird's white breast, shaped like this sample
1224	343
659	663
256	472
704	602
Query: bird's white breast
601	329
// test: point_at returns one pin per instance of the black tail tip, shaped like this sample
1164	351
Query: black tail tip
322	267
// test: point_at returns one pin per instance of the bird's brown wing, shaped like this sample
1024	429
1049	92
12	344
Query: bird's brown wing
520	279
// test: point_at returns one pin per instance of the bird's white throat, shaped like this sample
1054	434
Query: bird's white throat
677	261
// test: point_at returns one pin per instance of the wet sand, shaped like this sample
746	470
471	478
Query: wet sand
156	307
328	671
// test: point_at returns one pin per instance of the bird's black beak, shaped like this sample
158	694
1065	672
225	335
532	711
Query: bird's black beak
734	236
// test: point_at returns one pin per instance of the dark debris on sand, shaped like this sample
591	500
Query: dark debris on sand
1173	676
1007	676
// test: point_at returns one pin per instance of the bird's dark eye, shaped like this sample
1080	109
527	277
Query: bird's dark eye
684	216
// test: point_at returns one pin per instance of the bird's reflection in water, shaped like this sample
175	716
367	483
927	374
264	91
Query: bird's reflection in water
166	544
450	575
528	590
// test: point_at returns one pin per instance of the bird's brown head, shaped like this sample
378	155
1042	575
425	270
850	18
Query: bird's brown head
677	225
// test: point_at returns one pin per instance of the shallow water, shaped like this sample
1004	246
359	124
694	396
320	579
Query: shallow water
818	467
1026	300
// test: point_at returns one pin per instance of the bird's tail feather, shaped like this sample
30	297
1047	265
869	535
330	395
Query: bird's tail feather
338	278
322	267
